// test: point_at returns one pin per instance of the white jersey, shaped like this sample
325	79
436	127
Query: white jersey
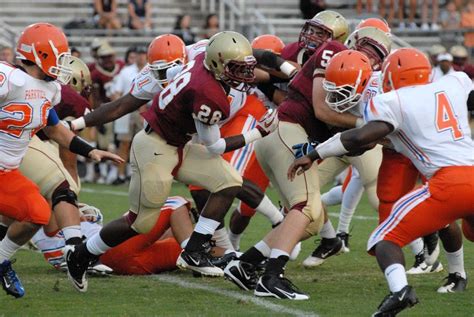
123	81
145	86
25	103
437	73
430	122
373	88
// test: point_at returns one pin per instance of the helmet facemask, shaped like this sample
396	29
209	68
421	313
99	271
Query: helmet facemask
342	98
313	35
239	74
62	72
159	68
373	50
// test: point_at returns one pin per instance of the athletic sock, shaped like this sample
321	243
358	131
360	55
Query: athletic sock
222	239
332	197
277	262
396	277
235	239
417	246
269	210
328	232
203	232
96	246
253	256
456	262
350	199
184	243
7	249
72	234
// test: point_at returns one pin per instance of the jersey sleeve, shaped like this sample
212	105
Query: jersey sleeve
144	85
323	56
57	96
195	49
384	108
9	76
465	81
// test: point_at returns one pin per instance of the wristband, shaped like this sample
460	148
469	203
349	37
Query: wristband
78	124
332	147
288	69
359	122
79	146
252	135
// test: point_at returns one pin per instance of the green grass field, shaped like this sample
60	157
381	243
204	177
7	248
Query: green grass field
346	285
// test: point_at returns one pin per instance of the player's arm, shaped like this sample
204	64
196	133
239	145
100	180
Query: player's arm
108	112
210	135
326	114
272	61
66	138
351	141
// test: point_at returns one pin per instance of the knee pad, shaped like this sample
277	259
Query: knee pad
64	193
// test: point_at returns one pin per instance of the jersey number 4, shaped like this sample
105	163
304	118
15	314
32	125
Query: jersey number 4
445	117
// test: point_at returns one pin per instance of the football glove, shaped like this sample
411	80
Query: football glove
303	149
90	213
268	123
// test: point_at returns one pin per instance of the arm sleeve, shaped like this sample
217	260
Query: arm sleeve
144	85
53	118
384	108
210	136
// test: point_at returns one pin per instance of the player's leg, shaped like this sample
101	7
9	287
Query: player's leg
19	200
447	197
350	199
201	168
456	281
330	243
149	187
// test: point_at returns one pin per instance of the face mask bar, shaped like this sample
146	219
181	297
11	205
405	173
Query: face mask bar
308	38
240	74
158	70
342	98
62	72
373	50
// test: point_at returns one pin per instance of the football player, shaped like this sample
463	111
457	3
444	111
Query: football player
430	145
28	95
302	115
193	102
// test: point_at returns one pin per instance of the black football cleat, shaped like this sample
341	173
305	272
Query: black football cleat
326	249
455	283
344	236
198	261
394	303
277	286
10	281
242	274
76	268
224	260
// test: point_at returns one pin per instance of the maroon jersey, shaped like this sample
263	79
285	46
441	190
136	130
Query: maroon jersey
467	68
193	94
102	80
72	104
298	107
293	52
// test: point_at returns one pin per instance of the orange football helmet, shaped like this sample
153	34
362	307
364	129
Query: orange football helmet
380	24
268	42
347	74
165	51
46	45
405	67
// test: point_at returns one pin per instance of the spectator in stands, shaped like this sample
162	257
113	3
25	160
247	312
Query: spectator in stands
105	14
400	12
411	15
309	8
434	15
139	15
182	28
75	52
359	6
211	26
434	51
450	17
445	66
6	55
467	21
96	43
130	55
460	62
127	126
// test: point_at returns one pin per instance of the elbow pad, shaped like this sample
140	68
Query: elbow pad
218	147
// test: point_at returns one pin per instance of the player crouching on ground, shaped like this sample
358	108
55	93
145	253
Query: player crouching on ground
439	144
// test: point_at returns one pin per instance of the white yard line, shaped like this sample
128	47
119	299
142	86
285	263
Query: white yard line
335	214
234	295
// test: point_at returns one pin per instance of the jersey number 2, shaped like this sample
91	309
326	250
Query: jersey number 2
445	117
20	115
